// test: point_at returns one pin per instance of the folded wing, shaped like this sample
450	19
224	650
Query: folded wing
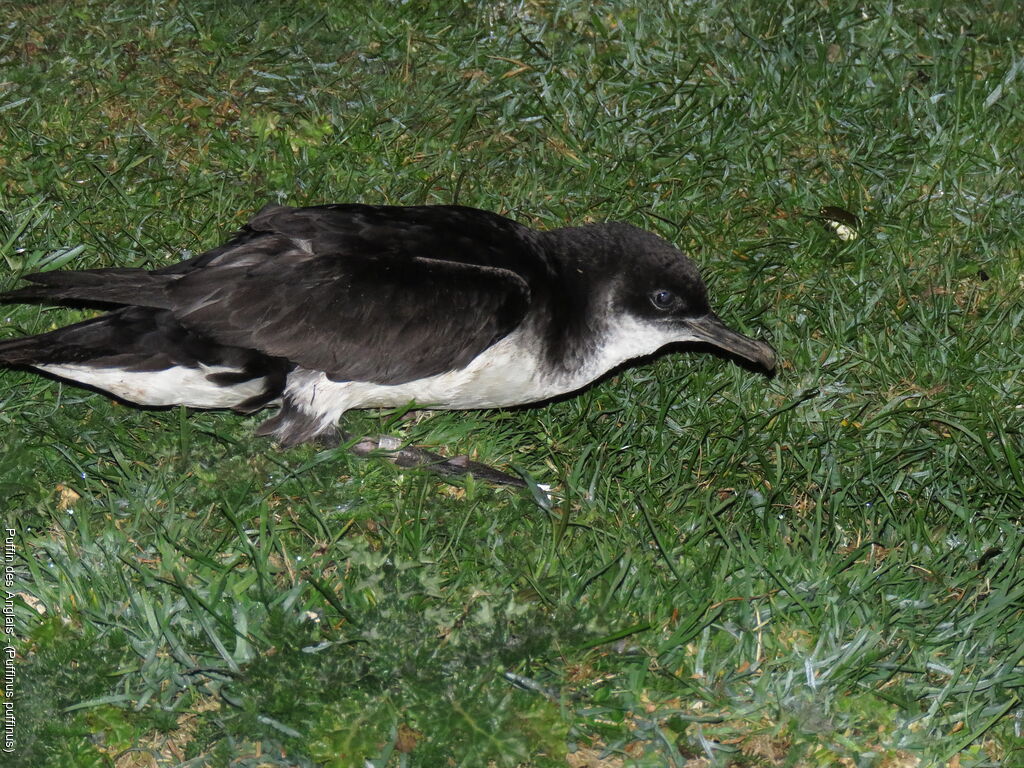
358	292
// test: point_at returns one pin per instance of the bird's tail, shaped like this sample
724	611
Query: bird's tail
145	356
107	336
21	351
93	287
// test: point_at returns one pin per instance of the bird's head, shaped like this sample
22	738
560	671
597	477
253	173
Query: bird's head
657	297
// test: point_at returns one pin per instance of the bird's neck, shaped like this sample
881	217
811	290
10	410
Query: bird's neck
568	319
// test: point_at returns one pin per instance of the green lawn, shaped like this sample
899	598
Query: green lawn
820	569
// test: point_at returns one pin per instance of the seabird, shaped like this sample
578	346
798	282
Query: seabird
322	309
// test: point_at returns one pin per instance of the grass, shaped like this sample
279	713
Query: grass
819	569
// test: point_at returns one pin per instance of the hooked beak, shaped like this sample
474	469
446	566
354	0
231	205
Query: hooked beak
710	330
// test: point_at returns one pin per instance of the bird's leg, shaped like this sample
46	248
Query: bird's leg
392	449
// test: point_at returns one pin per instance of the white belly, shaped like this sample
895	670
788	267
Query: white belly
507	374
501	376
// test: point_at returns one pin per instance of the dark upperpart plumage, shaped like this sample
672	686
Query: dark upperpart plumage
332	307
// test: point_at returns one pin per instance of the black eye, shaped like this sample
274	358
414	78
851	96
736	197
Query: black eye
663	299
